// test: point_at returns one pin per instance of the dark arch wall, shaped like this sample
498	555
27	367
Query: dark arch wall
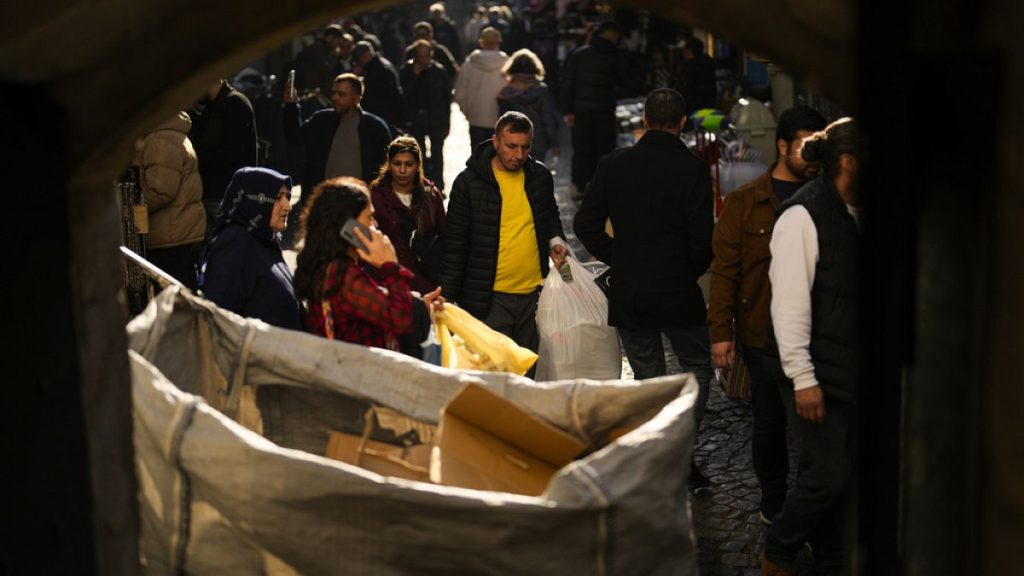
80	79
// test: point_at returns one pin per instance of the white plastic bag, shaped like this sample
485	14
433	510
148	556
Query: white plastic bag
575	338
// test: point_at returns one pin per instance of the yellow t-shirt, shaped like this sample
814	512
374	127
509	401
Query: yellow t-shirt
518	264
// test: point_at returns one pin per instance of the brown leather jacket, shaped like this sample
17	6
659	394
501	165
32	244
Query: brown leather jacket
740	288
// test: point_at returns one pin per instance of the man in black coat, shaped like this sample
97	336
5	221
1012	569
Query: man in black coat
696	80
428	97
593	77
382	95
343	141
224	136
657	195
445	31
424	31
503	199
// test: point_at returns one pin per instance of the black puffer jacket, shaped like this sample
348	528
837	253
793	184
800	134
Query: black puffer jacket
594	76
473	228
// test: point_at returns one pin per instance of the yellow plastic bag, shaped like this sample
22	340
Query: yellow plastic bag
470	344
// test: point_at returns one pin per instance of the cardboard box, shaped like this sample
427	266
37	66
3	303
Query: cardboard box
412	463
489	443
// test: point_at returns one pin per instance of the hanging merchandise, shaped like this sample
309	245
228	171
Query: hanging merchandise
572	320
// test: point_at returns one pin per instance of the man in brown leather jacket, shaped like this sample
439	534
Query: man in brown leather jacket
740	295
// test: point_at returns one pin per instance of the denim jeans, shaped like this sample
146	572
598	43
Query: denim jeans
691	344
768	437
818	508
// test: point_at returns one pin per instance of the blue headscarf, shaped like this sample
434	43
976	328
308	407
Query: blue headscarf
249	201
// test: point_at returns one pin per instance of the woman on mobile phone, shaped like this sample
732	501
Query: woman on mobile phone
410	212
343	301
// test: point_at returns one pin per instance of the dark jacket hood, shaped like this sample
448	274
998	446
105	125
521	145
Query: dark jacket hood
603	46
480	161
525	94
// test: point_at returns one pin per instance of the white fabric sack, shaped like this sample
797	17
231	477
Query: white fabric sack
575	338
219	498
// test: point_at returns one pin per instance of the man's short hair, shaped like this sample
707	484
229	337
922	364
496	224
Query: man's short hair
355	81
437	7
334	30
423	25
797	118
664	108
516	122
490	35
694	45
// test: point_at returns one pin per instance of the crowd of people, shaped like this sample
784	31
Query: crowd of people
379	254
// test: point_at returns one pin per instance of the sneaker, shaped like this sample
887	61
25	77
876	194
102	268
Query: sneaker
697	481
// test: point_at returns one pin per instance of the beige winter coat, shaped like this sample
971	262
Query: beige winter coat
171	186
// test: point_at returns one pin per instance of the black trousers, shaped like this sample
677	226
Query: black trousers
593	135
178	261
433	163
818	508
691	344
515	315
768	437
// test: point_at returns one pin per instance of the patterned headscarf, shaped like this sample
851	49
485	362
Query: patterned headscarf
249	201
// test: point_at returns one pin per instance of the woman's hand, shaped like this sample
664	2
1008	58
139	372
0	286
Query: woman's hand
379	250
434	301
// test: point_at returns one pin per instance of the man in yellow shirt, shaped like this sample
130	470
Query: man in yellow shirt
502	226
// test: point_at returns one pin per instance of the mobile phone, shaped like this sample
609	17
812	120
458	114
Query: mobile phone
348	233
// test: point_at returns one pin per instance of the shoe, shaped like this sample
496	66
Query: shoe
769	568
697	481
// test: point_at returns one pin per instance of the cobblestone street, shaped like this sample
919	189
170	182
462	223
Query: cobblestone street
729	533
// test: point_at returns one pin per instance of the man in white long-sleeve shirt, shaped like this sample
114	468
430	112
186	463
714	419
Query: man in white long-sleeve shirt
814	277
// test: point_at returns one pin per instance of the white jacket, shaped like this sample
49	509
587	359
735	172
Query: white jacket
477	87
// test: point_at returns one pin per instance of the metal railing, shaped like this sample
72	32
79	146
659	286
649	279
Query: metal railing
149	269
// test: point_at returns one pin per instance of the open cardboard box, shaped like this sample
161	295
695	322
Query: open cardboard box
489	443
484	442
410	462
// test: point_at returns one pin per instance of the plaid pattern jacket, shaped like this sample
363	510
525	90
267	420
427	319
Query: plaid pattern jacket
356	309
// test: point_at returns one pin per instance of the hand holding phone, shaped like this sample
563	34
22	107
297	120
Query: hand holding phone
372	246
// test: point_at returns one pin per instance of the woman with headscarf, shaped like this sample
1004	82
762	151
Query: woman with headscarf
243	269
343	301
410	211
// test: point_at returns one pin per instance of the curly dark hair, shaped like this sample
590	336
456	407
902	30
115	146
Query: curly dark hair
332	203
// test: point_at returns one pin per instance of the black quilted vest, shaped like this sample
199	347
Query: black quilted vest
835	345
